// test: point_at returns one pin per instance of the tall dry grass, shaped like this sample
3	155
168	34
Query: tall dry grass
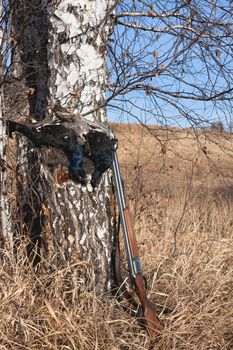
182	205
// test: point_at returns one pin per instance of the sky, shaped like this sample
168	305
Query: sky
193	69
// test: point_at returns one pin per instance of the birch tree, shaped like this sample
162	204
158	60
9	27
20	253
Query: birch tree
5	181
59	52
2	205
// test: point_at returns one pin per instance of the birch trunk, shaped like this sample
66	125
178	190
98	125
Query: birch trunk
2	146
61	47
5	176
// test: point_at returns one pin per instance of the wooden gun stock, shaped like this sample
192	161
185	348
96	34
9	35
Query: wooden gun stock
149	311
131	234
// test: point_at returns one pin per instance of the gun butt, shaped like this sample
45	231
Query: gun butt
150	316
151	319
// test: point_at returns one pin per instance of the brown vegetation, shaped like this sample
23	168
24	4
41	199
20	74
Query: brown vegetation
180	189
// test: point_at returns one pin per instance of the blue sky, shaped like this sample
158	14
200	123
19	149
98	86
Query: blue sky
198	66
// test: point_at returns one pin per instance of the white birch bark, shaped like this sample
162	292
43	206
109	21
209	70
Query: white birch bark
72	222
77	61
5	222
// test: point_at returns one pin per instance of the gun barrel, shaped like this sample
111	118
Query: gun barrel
122	207
118	180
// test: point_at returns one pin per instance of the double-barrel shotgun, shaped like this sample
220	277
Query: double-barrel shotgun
136	274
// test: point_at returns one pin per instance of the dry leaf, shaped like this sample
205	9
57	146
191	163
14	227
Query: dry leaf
13	38
150	13
155	54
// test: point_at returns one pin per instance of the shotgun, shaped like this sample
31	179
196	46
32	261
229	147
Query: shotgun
136	274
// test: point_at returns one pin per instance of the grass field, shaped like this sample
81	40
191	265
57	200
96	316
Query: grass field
179	185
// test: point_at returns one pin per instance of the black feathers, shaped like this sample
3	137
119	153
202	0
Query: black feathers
95	144
76	158
102	150
49	135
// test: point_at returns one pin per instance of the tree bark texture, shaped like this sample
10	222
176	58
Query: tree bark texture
60	53
2	147
5	174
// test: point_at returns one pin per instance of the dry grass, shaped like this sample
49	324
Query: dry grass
181	195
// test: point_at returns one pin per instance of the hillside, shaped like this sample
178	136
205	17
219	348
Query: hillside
179	186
